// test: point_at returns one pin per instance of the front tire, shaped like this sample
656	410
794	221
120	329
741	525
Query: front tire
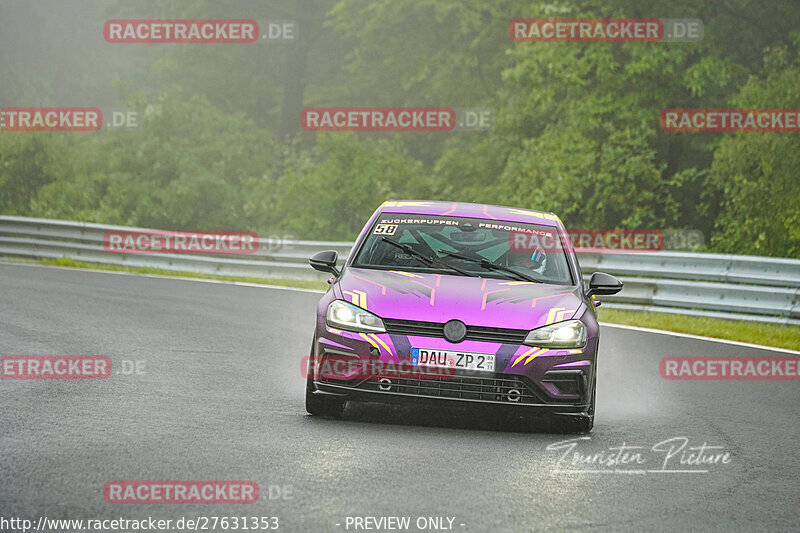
578	424
321	404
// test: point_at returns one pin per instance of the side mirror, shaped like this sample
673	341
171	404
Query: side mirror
325	261
603	284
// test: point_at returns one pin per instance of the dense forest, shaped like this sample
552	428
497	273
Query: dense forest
575	125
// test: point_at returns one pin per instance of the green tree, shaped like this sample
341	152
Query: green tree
189	166
28	162
757	173
329	191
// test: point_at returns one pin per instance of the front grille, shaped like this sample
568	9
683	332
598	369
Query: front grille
509	336
489	389
413	327
435	329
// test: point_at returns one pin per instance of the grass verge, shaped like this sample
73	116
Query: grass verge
67	262
736	330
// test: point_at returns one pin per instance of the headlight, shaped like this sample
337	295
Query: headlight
347	316
567	334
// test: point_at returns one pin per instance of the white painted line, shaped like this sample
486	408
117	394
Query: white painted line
631	471
315	291
701	338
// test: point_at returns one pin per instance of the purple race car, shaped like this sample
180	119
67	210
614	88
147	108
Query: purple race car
457	302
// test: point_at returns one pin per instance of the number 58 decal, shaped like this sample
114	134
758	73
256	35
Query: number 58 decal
385	229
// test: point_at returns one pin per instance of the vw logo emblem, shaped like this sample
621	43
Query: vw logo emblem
455	331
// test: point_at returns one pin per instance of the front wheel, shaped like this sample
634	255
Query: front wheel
582	423
321	404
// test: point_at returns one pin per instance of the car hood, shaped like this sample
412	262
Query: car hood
475	301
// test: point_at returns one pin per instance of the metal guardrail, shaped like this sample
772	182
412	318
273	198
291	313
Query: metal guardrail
726	286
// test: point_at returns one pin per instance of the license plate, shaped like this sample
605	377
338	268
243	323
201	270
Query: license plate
452	359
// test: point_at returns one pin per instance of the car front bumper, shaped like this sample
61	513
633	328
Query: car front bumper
377	367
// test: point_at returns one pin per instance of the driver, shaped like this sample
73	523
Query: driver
532	261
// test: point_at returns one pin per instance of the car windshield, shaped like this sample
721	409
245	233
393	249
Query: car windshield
466	246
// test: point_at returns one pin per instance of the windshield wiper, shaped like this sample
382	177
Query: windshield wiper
430	261
491	265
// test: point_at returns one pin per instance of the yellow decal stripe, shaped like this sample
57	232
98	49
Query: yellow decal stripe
407	274
412	204
521	357
551	316
538	353
369	340
358	298
378	339
537	214
527	212
362	298
561	314
557	314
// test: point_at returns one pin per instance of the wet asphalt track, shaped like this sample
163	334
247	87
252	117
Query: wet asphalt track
222	398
